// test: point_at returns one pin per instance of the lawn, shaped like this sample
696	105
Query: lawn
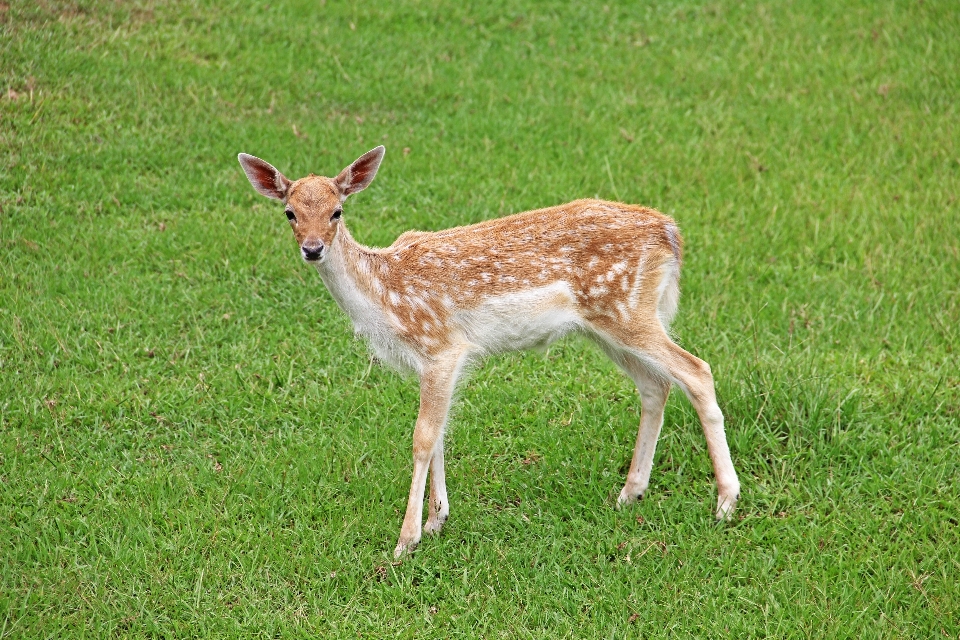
192	444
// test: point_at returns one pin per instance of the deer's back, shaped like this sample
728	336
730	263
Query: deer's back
525	279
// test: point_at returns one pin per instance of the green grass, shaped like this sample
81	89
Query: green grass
192	444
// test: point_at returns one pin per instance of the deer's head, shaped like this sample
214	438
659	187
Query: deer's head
314	204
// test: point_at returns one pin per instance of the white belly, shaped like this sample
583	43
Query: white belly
524	320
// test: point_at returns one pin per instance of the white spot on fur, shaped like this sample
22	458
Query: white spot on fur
634	296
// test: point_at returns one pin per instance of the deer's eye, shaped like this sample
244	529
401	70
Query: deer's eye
290	216
336	214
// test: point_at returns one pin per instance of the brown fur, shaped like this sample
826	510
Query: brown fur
435	301
581	241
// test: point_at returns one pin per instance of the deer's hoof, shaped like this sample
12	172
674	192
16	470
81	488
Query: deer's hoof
404	548
433	525
725	507
626	498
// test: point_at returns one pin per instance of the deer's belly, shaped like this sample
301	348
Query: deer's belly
521	320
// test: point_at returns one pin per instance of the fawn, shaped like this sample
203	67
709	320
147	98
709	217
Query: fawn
432	303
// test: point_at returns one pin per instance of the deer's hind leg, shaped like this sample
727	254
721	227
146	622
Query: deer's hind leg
693	375
654	390
650	355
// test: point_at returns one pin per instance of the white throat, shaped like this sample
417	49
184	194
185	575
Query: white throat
345	272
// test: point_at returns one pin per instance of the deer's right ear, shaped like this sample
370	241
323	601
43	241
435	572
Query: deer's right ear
264	177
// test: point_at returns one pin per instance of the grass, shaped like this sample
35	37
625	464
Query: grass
191	444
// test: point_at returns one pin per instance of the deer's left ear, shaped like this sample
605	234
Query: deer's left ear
361	173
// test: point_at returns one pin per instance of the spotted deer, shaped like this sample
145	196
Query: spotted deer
433	303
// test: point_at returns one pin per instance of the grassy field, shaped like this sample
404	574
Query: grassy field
193	445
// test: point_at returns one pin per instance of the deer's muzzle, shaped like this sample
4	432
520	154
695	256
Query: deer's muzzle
311	251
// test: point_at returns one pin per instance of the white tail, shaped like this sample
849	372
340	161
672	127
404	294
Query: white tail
434	302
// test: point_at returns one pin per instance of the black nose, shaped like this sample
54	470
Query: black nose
312	252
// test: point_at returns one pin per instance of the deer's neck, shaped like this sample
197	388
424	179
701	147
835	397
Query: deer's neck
346	273
350	273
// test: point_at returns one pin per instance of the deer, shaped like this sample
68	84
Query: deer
437	303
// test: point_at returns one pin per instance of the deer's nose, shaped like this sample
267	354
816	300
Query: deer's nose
311	251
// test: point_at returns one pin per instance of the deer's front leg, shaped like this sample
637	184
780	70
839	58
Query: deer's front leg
439	506
436	390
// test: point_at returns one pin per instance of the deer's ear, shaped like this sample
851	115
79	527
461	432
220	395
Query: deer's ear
361	173
264	177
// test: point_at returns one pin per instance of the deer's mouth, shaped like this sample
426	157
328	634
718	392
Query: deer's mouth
313	252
